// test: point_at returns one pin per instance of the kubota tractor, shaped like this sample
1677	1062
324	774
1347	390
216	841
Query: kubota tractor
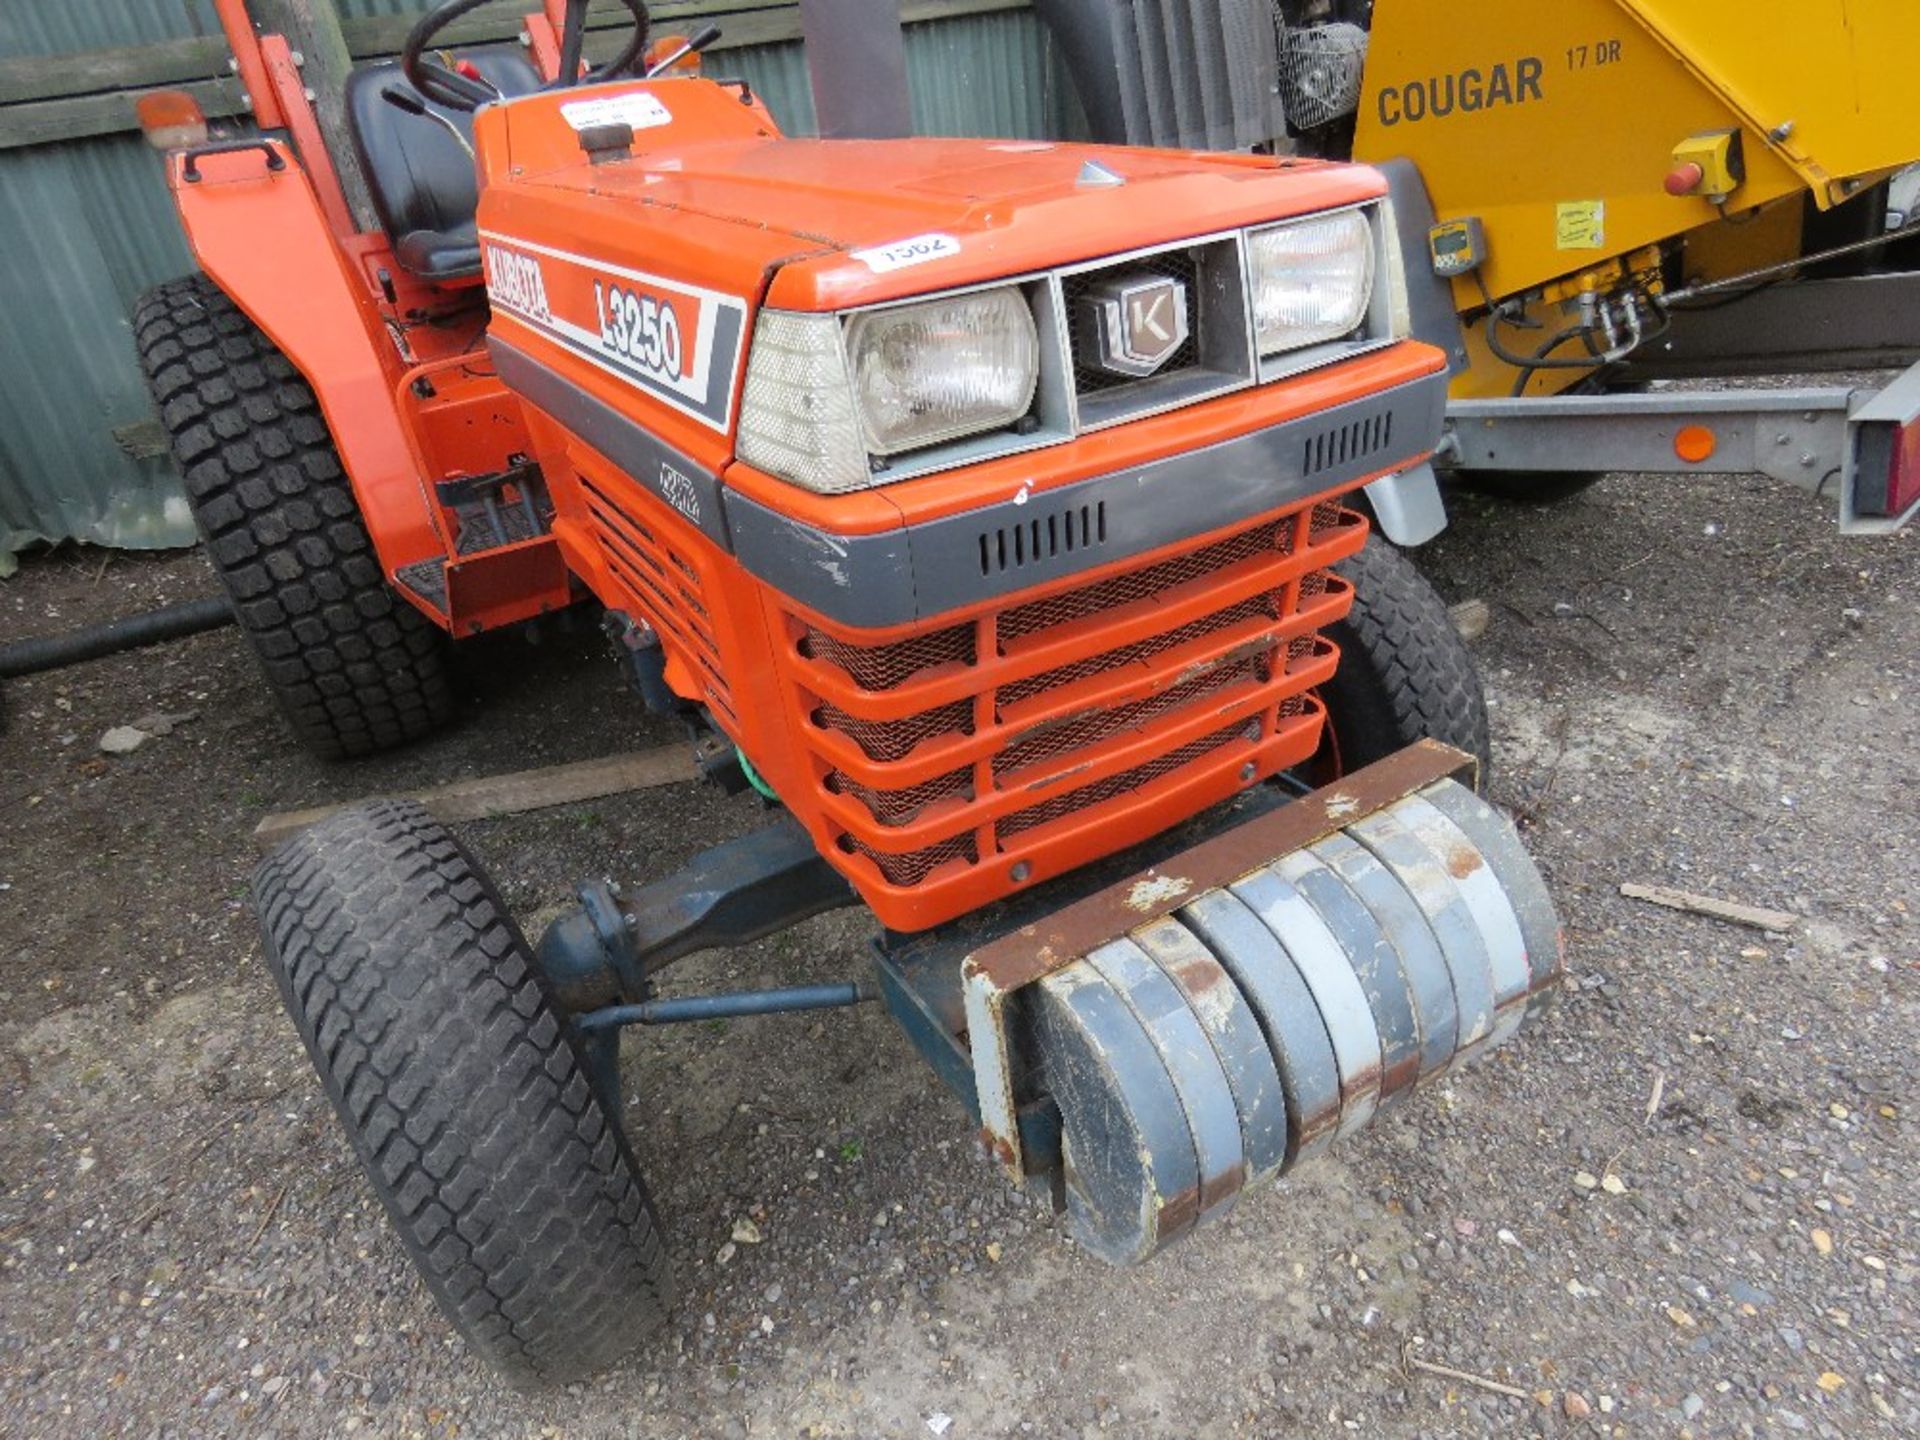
982	502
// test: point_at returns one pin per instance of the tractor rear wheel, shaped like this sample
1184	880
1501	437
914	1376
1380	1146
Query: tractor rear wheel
463	1092
355	668
1404	670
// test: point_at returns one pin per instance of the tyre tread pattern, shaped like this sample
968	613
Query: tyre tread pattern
355	668
463	1093
1404	670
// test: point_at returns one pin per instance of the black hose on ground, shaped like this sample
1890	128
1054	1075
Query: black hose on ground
129	632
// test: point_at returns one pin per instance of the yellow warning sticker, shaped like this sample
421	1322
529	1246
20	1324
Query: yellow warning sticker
1581	225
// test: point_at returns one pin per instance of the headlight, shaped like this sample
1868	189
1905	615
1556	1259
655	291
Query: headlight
942	369
1312	280
818	402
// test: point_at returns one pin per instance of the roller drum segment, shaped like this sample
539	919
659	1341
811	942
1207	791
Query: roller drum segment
1237	1038
1213	1121
1493	836
1132	1177
1429	981
1426	880
1321	959
1376	964
1219	1046
1289	1018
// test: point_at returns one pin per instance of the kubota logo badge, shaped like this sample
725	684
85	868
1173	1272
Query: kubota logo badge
1133	324
677	341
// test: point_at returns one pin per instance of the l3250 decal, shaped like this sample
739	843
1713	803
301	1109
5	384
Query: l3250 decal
678	343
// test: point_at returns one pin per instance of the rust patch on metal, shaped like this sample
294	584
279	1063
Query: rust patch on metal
1216	1190
1176	1215
998	1148
1462	861
1198	978
1401	1077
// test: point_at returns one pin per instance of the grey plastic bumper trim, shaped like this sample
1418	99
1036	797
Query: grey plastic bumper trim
917	572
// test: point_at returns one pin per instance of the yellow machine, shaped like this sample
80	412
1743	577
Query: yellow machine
1588	156
1592	196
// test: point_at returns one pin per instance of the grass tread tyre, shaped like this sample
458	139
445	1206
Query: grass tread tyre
1404	670
470	1108
354	667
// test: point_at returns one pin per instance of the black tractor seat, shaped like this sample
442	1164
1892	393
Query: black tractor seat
423	183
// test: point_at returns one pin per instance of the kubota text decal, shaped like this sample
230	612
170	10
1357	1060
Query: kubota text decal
679	343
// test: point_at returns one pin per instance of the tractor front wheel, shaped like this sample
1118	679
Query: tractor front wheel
1404	671
463	1092
355	668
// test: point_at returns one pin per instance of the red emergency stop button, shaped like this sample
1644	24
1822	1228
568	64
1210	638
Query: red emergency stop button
1685	178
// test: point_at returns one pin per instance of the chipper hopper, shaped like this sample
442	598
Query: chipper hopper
979	504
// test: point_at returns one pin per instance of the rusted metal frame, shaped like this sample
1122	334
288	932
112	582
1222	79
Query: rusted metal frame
995	972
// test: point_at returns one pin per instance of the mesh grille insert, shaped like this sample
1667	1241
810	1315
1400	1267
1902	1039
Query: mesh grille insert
885	667
1021	741
1115	785
1090	727
897	739
1274	537
911	868
1265	606
901	807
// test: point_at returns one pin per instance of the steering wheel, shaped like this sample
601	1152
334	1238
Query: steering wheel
459	92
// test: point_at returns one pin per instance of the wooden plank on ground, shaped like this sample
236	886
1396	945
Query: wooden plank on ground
491	795
1777	921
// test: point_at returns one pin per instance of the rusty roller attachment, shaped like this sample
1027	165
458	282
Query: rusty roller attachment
1259	1009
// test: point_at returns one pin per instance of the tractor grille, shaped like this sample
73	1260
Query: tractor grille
1012	734
661	585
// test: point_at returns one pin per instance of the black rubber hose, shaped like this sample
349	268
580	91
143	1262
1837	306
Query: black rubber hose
129	632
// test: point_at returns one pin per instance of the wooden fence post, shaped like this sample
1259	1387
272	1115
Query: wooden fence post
312	29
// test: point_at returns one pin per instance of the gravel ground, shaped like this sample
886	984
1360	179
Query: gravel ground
1683	1204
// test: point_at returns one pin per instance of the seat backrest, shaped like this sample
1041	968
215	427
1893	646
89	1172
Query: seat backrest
422	182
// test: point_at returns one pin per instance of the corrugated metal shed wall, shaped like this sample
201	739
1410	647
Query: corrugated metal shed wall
86	226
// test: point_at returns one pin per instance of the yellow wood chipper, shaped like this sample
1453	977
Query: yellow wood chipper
1595	199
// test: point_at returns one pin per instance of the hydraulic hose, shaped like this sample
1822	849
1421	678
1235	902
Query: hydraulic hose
130	632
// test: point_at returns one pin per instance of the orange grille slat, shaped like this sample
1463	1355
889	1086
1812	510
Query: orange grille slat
664	586
1008	738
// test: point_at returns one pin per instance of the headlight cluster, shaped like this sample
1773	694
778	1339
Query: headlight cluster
830	399
1312	280
820	400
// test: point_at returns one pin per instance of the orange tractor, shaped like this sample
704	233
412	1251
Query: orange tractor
981	504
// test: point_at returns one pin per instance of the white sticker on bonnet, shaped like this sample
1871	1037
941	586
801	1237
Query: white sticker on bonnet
902	253
636	108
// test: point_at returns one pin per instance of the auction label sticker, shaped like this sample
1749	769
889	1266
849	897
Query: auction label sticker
902	253
638	108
